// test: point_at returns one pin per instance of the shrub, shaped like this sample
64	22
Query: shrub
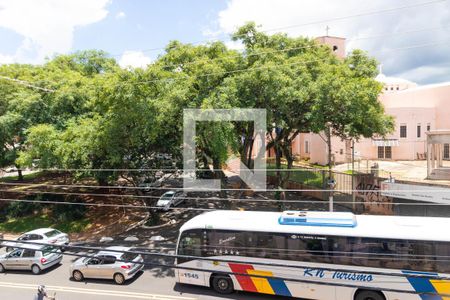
68	212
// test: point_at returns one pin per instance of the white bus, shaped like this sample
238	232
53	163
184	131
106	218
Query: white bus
317	255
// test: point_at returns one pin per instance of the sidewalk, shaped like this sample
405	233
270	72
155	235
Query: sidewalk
413	170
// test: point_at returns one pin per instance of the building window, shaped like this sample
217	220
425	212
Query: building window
388	152
306	147
403	131
380	152
446	151
384	152
418	130
428	127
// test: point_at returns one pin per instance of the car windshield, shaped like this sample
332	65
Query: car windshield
85	259
47	250
52	233
167	196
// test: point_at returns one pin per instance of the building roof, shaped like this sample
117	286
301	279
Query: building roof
393	80
428	86
389	227
330	37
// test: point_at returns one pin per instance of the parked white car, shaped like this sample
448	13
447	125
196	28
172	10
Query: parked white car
170	199
104	265
35	258
41	235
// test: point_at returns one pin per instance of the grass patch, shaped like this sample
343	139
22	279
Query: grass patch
308	177
28	223
30	176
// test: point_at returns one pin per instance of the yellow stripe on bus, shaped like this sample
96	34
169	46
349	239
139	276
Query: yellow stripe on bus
262	284
442	287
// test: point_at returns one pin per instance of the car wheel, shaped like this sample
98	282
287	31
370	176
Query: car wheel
222	284
35	269
369	295
2	269
119	278
77	275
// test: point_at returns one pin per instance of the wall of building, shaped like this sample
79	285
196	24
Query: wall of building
409	104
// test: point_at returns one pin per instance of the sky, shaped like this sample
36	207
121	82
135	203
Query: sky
410	38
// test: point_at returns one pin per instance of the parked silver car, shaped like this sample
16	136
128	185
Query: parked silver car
41	235
170	199
104	265
35	258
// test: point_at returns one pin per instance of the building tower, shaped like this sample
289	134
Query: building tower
337	44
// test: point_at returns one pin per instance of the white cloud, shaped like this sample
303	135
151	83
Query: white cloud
235	45
120	15
47	26
134	59
272	14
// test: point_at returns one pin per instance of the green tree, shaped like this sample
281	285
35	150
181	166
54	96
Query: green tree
347	103
279	74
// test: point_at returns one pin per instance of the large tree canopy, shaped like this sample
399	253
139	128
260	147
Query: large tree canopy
103	117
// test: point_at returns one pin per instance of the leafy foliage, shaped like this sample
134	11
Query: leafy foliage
104	117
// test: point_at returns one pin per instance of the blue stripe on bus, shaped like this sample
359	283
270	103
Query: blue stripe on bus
279	287
423	285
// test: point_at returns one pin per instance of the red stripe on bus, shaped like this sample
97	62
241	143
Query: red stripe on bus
245	281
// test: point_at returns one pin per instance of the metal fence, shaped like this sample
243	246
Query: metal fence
315	178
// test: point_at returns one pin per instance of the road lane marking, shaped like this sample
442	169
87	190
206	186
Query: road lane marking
98	292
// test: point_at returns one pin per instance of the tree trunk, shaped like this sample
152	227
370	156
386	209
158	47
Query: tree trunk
205	161
19	173
278	154
328	132
218	174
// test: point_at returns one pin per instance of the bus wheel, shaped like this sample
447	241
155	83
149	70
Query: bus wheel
222	284
369	295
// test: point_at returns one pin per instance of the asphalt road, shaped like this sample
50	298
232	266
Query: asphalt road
150	284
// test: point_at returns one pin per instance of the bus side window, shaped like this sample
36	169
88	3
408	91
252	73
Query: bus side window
295	248
225	243
265	245
424	256
442	255
306	248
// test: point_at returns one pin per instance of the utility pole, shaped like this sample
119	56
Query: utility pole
353	175
331	184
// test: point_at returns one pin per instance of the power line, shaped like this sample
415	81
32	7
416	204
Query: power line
192	189
179	77
314	23
250	69
227	273
270	67
102	204
27	84
253	54
212	199
211	259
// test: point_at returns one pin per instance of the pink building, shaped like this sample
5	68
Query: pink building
416	109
